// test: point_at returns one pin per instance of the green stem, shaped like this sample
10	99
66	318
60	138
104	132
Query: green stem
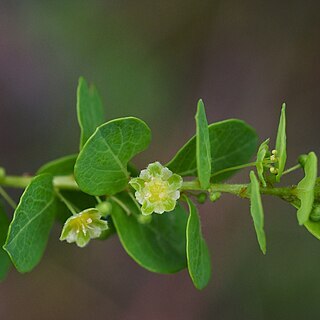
68	183
238	189
98	199
60	182
134	200
296	167
15	181
241	166
8	198
67	203
121	204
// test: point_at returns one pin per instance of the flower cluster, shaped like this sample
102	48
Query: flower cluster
83	227
157	189
274	159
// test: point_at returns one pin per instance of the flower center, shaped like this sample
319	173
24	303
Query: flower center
157	189
81	221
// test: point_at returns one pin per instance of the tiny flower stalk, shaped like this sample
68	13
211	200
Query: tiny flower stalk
84	226
157	189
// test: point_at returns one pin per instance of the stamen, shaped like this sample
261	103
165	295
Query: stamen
273	170
273	158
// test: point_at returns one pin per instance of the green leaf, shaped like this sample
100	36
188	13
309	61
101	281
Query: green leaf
232	143
262	151
89	109
305	188
256	210
64	166
101	167
198	257
281	144
60	167
313	227
203	147
33	218
158	246
5	262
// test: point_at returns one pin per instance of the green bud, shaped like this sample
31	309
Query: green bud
302	159
104	208
315	213
143	219
202	197
214	196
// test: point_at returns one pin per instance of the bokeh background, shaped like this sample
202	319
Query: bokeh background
154	59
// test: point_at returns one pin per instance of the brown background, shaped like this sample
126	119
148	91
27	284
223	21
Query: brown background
154	59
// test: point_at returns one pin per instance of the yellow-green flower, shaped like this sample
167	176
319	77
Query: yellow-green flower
83	227
157	189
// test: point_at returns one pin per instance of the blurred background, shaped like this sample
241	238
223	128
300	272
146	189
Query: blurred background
154	60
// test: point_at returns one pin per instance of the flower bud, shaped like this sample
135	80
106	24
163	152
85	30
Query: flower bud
315	213
202	197
104	208
302	159
214	196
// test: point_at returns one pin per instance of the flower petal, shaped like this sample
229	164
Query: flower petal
145	175
165	173
159	208
82	239
100	224
155	169
175	181
169	204
147	208
137	183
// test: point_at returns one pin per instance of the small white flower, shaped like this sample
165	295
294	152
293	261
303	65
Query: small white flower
157	189
83	227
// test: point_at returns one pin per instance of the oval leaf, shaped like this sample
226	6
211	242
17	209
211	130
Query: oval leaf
203	147
101	167
89	110
262	151
33	218
5	262
281	144
256	210
158	246
305	188
60	167
198	257
232	143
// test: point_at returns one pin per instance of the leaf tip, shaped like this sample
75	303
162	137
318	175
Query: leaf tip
301	221
81	79
200	107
